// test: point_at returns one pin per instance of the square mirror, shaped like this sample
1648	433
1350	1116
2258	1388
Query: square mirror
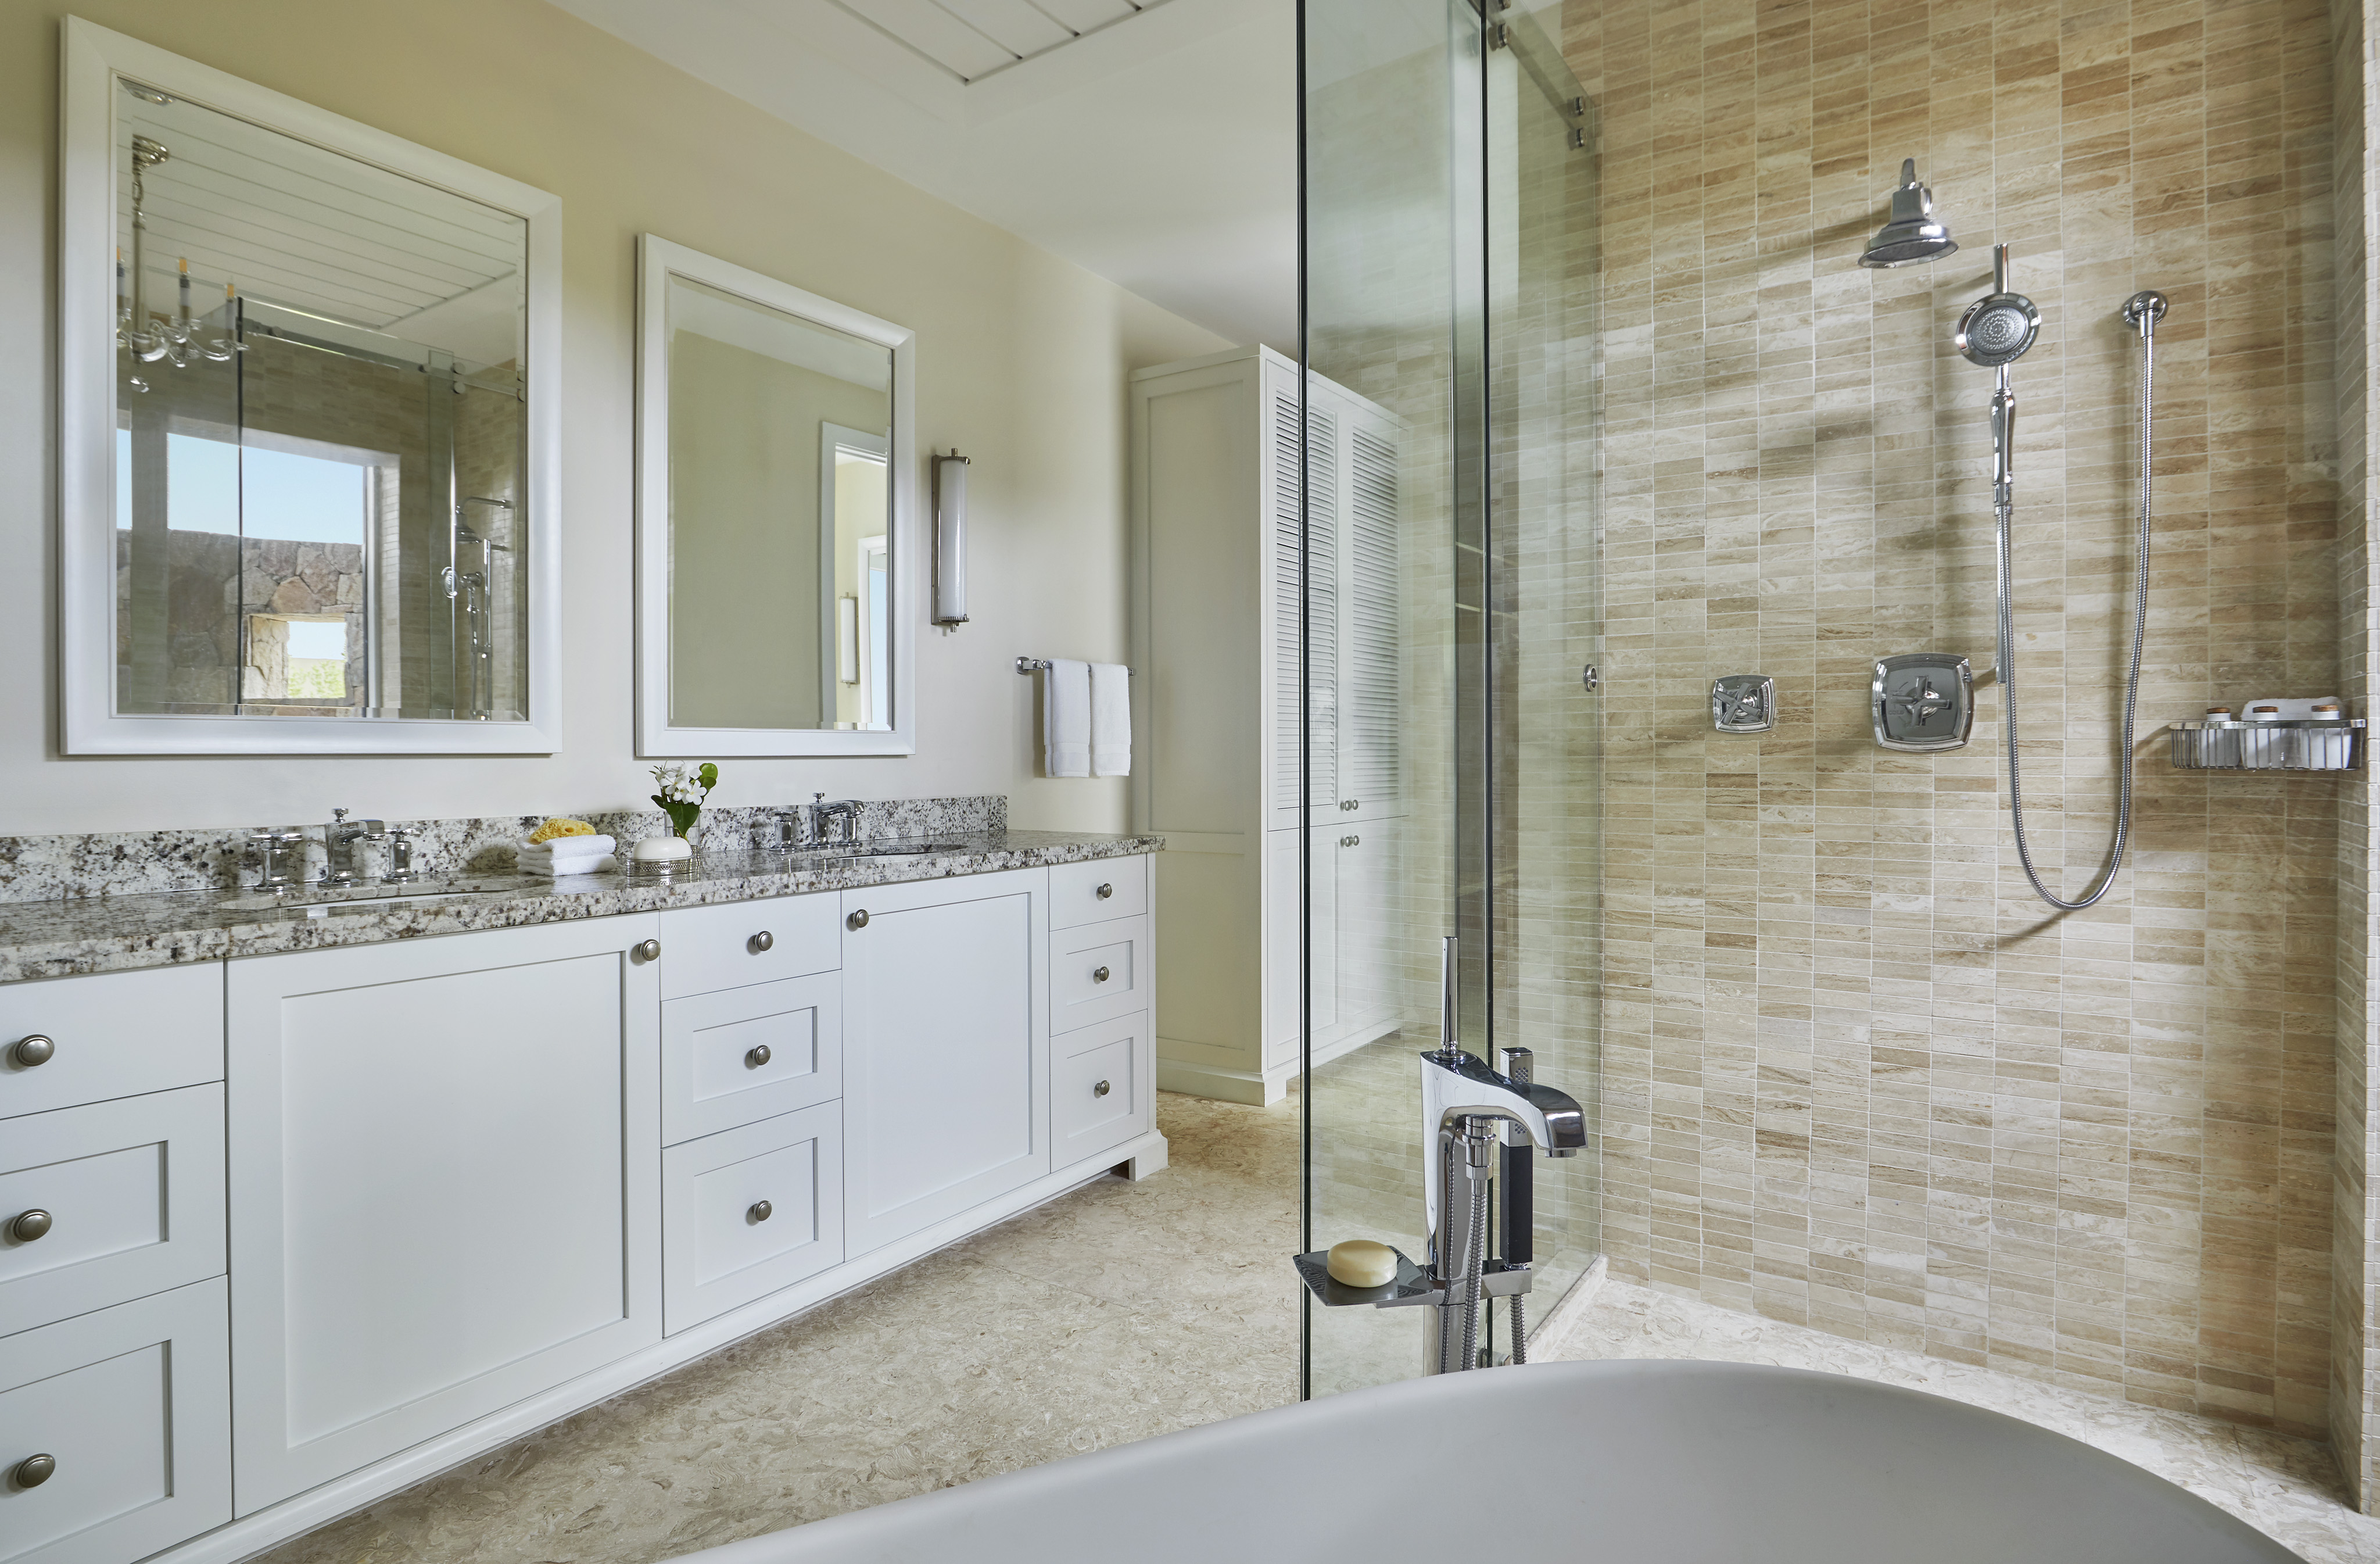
305	410
775	518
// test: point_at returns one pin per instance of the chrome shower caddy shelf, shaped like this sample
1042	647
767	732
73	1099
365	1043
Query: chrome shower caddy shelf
2285	744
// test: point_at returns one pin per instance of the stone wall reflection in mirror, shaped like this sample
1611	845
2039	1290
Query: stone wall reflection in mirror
320	453
780	511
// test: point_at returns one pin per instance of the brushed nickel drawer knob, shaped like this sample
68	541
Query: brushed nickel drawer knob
647	950
1100	1089
29	1225
1099	974
33	1470
857	920
757	1057
32	1051
762	943
761	1210
1105	890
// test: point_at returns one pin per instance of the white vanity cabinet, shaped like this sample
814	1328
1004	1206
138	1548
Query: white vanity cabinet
946	1048
467	1185
444	1175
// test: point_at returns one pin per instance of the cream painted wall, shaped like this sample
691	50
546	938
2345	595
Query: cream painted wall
1021	361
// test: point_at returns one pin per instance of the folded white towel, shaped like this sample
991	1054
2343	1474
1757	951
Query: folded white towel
1111	720
566	855
1066	719
599	863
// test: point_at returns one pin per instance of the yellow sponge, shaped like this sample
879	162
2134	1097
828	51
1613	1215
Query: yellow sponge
554	828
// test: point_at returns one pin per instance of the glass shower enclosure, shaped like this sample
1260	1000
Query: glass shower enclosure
1451	620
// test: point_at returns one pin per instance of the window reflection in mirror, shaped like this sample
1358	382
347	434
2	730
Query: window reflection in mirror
779	430
319	491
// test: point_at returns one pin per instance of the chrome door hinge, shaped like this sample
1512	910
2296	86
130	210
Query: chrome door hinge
1591	677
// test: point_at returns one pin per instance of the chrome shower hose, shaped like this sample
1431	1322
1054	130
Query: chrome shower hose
2004	509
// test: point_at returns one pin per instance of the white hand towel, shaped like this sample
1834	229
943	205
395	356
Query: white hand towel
1066	719
1111	720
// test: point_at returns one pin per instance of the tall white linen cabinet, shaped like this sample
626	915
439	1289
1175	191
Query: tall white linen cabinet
1215	605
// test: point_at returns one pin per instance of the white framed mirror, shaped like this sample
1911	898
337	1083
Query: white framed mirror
777	546
308	387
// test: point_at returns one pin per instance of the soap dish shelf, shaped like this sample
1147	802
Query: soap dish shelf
2284	744
1410	1285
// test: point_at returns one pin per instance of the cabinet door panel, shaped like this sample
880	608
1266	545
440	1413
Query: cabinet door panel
132	1404
445	1157
714	1077
135	1193
719	1251
1099	1086
1364	970
113	1035
1281	934
945	1014
1096	973
734	944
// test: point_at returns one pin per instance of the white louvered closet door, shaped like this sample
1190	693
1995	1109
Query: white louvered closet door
1371	688
1316	663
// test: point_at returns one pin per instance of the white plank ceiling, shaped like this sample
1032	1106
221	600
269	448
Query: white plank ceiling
1151	141
293	224
972	39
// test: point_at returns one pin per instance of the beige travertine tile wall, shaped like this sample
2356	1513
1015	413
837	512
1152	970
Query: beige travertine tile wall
1853	1077
2353	1339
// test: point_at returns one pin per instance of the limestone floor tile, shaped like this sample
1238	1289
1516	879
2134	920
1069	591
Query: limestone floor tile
2288	1489
1118	1311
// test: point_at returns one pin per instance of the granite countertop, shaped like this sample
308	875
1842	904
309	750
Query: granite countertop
62	937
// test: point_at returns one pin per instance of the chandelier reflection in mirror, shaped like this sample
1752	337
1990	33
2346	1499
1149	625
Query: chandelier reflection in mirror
318	483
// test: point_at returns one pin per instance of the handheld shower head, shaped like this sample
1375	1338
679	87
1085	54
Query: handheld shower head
1912	235
1999	327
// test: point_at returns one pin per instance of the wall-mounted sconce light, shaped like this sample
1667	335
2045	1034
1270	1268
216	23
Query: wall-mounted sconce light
950	539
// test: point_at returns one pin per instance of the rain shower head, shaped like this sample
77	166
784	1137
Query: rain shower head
1912	235
1998	328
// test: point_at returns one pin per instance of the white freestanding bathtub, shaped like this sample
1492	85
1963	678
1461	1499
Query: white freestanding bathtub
1630	1462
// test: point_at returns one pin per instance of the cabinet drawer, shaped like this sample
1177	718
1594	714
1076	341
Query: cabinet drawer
133	1406
115	1034
748	1211
705	949
134	1193
744	1053
1098	973
1096	891
1099	1088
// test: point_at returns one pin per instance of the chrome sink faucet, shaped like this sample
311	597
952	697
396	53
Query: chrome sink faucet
339	839
1465	1106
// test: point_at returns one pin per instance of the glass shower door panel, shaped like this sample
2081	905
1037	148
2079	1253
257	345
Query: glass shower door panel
1392	95
1452	601
1544	620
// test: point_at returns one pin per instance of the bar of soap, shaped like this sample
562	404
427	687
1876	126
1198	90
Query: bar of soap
1361	1263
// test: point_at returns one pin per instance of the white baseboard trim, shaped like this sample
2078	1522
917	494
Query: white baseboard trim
1259	1088
317	1506
1254	1087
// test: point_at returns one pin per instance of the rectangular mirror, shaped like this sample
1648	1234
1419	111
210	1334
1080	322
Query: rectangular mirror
308	454
775	517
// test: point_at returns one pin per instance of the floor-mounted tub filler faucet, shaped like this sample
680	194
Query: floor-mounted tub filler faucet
1468	1110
